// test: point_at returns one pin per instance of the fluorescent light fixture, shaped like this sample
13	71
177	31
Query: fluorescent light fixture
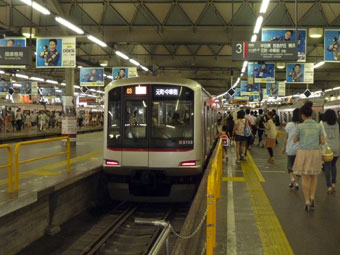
2	72
319	64
109	77
243	69
122	55
105	75
36	79
21	76
58	90
37	7
96	40
245	64
76	86
315	32
144	68
93	90
253	38
317	92
69	25
280	65
242	74
80	66
258	25
134	62
103	63
17	85
52	81
63	84
327	90
264	6
336	88
28	35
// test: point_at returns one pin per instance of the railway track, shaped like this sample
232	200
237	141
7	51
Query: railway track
116	233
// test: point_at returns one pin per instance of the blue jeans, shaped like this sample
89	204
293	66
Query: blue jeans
330	172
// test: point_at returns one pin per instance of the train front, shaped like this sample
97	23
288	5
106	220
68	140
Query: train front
150	129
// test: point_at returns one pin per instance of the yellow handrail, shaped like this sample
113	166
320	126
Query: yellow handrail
213	193
9	165
16	155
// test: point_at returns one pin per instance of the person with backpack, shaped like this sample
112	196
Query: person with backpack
260	127
271	136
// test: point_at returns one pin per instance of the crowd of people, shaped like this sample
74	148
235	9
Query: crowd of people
18	120
310	146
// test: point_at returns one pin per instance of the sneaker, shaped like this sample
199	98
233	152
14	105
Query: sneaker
291	184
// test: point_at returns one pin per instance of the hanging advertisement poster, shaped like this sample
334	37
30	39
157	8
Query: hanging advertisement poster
289	34
56	52
332	45
124	72
253	98
4	88
91	76
281	88
249	89
300	73
68	119
262	73
29	88
13	42
237	95
265	93
47	92
272	89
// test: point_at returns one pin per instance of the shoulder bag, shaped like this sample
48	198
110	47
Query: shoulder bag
327	153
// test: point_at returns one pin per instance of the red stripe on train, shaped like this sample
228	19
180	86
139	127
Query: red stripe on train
150	150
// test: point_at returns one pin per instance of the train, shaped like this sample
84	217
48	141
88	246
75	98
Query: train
158	133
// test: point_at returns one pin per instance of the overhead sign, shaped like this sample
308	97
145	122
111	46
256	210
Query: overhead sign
332	45
240	102
119	73
92	76
264	51
300	73
15	56
29	88
288	35
56	52
5	88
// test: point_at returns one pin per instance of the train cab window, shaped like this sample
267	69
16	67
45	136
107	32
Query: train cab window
135	119
114	117
172	115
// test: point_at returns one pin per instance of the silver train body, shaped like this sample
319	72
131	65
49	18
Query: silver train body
158	132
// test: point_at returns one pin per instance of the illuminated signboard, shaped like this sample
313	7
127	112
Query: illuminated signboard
136	90
166	91
238	102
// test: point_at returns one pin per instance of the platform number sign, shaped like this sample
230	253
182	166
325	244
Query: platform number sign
240	50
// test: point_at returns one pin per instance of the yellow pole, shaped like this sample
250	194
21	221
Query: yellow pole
16	167
210	215
68	155
10	169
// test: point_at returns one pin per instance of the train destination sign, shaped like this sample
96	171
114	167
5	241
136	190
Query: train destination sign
264	51
15	56
166	91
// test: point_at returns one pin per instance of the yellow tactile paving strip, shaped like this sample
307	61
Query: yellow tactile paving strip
273	238
233	179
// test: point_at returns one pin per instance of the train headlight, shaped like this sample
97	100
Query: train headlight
188	163
112	163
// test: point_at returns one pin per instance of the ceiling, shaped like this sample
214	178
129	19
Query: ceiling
189	38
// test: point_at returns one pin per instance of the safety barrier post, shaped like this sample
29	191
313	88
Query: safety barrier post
9	166
210	215
17	162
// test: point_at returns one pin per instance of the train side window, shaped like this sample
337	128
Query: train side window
114	117
135	119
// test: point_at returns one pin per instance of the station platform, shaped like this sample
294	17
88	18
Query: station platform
34	134
259	214
47	194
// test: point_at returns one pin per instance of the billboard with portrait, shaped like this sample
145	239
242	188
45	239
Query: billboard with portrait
288	34
300	73
249	89
48	92
92	76
272	89
29	88
56	52
262	72
119	73
13	42
4	87
332	45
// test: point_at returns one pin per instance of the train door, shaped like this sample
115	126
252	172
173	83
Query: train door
134	141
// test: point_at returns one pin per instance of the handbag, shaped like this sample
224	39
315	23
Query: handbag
247	130
327	153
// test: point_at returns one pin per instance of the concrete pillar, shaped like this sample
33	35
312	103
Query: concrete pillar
69	116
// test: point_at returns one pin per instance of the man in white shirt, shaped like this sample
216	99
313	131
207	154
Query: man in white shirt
19	119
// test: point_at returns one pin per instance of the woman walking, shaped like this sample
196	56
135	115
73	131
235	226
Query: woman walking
271	136
308	159
290	148
239	136
331	128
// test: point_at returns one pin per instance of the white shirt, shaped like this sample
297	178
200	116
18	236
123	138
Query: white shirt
291	147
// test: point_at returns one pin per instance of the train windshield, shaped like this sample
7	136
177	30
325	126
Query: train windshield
172	112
